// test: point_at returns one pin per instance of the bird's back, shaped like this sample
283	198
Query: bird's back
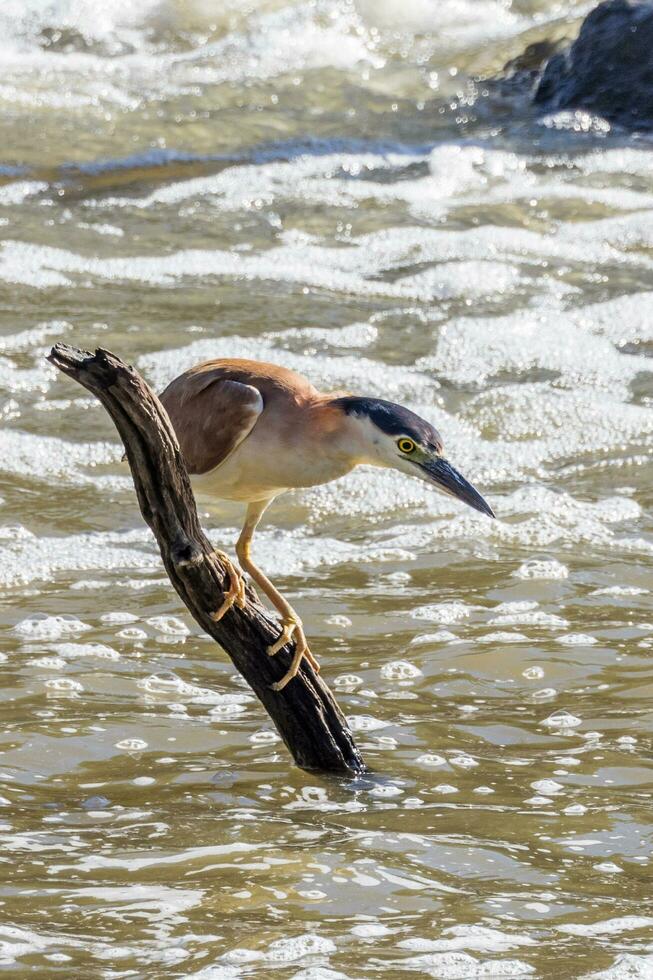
214	406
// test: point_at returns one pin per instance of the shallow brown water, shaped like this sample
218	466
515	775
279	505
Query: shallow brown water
300	183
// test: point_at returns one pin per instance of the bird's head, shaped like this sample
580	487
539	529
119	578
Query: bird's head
391	436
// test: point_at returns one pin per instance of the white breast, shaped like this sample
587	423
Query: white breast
255	472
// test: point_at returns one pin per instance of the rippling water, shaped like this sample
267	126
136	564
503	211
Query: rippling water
319	184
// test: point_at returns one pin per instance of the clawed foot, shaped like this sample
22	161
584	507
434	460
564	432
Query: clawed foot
292	628
235	594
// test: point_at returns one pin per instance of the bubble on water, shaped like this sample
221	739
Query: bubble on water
626	741
503	636
116	618
348	680
132	633
620	590
314	794
463	760
297	947
411	802
43	627
516	606
483	790
143	780
97	650
481	938
575	810
544	694
365	723
239	955
443	612
577	639
440	636
49	663
370	930
221	711
342	622
539	800
541	569
608	867
131	745
547	786
64	685
169	625
444	789
264	738
533	673
607	927
400	670
398	578
167	684
386	792
178	709
535	617
562	719
457	965
387	741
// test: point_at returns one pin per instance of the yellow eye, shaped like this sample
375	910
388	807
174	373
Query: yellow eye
406	445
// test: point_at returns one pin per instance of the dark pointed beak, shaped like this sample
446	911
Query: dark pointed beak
442	474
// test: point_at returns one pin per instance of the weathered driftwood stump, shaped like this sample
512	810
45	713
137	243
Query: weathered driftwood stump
305	712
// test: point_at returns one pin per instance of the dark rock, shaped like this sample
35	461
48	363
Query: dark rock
521	75
608	70
533	58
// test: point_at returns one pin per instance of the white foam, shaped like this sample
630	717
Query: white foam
329	373
366	723
562	720
48	458
170	685
627	966
170	625
431	760
547	786
27	558
577	640
607	927
44	627
357	267
19	190
445	613
73	651
462	966
475	349
400	670
536	568
457	22
479	938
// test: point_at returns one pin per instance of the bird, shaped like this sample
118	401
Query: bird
250	431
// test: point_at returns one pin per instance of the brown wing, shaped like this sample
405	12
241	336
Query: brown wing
211	415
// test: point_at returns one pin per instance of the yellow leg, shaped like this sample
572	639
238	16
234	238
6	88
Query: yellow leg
235	594
290	622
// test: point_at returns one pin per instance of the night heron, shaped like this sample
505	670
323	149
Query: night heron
250	431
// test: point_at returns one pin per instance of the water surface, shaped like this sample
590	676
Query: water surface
319	184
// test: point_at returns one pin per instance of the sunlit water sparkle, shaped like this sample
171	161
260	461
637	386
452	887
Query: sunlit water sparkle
302	182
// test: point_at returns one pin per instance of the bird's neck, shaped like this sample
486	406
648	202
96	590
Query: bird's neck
341	436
